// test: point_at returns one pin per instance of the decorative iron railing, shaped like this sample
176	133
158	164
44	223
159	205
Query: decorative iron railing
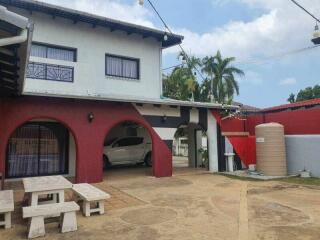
50	72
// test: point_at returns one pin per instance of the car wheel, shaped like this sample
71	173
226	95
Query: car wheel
106	162
148	160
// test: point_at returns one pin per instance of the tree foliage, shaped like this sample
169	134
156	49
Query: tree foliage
305	94
220	84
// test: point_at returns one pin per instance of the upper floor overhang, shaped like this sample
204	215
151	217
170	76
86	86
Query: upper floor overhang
95	20
140	100
15	41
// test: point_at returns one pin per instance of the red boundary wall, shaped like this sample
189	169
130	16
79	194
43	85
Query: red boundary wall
305	121
89	137
295	122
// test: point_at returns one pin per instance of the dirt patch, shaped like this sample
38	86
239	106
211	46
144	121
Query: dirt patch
149	216
275	214
147	233
268	189
229	205
153	183
289	233
173	200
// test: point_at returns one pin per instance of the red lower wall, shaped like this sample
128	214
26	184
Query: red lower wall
89	137
245	147
303	121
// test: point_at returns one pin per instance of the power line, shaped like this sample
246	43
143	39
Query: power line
304	9
174	66
182	50
253	61
277	56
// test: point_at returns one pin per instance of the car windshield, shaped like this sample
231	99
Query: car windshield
108	142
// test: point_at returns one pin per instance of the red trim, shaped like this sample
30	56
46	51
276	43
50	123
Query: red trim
89	137
293	105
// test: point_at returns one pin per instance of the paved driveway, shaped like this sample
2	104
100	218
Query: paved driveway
193	205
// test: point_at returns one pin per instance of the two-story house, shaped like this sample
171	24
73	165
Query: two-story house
87	74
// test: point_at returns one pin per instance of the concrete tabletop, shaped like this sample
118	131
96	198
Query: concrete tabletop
47	183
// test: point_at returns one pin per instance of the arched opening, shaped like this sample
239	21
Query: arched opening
189	147
128	150
41	147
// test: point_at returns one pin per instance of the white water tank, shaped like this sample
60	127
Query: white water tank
271	149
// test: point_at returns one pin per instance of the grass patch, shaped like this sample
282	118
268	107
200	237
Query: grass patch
240	178
302	181
294	180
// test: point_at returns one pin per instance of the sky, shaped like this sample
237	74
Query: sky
265	37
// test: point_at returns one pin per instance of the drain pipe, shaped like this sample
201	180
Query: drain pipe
15	40
16	20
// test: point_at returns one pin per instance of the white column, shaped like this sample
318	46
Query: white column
212	143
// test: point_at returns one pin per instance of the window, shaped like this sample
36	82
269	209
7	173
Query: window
125	67
37	149
53	52
128	142
50	72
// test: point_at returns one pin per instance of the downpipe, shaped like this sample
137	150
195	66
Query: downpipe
16	20
15	40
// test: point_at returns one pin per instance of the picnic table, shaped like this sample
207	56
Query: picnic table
48	185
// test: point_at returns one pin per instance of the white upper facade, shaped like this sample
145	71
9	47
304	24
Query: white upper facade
78	59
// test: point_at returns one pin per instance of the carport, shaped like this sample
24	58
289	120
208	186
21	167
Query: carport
128	148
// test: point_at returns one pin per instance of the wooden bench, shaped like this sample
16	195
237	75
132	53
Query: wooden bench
90	195
66	210
6	207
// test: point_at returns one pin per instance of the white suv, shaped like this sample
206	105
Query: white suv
127	150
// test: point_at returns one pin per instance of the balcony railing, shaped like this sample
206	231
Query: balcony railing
50	72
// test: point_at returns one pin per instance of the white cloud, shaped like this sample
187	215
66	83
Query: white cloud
282	27
251	77
116	9
288	81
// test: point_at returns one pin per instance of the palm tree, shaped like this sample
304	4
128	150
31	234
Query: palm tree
191	65
208	68
222	77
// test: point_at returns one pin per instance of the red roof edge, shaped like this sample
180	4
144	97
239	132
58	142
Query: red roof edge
310	102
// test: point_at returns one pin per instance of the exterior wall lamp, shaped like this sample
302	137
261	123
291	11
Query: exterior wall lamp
90	117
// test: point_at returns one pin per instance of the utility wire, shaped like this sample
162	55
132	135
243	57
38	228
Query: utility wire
267	59
182	50
300	6
174	66
277	56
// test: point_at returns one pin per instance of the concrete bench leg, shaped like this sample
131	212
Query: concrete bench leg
101	207
87	210
69	222
7	220
36	228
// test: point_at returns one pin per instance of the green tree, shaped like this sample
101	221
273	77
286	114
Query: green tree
182	83
305	94
221	75
208	86
292	98
308	93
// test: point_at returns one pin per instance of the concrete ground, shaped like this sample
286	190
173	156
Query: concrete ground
192	204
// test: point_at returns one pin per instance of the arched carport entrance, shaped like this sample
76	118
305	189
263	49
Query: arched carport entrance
40	147
128	150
